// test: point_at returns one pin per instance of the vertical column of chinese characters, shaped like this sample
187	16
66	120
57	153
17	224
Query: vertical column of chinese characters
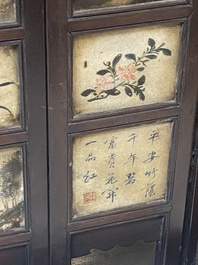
89	175
130	177
151	171
111	180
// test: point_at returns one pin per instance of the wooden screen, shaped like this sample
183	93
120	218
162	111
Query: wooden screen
122	100
23	161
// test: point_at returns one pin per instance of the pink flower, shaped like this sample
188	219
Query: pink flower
103	83
126	72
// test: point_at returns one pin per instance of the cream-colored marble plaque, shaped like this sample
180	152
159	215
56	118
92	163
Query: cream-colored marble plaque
120	168
11	190
81	5
125	68
120	255
9	87
7	11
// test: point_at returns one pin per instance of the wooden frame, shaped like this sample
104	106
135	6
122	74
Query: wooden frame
118	9
45	44
82	241
190	233
61	124
30	246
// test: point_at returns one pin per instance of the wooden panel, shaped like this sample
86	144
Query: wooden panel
57	116
190	233
187	120
123	235
66	244
12	138
148	15
15	239
148	4
120	255
31	70
12	34
35	94
122	118
14	256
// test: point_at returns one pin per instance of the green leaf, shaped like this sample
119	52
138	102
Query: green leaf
151	56
140	69
116	60
145	61
102	72
87	92
128	91
141	96
112	92
141	81
131	56
139	92
2	107
166	51
6	83
151	42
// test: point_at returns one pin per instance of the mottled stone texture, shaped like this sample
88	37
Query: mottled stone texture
11	190
89	4
140	253
9	87
7	11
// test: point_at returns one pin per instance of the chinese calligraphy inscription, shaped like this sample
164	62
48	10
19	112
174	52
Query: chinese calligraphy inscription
120	168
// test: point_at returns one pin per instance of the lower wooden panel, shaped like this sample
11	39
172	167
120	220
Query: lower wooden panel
123	234
120	255
15	255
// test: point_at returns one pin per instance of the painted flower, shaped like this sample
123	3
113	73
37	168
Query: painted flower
127	72
103	83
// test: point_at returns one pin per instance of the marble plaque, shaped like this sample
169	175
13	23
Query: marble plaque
9	87
125	68
82	5
120	255
7	11
12	213
119	168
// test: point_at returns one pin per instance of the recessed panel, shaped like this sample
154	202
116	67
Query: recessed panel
7	11
12	212
125	68
9	87
119	168
82	5
15	255
139	253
